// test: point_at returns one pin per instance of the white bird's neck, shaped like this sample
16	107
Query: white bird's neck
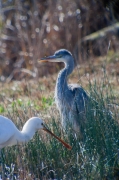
28	130
23	137
20	137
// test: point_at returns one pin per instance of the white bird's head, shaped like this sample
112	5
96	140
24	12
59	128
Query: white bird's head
61	55
36	124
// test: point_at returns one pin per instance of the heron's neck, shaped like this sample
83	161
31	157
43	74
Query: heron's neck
61	84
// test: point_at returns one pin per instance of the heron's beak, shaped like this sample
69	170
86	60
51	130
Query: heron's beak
52	58
64	143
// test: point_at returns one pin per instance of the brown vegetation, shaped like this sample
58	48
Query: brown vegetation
32	29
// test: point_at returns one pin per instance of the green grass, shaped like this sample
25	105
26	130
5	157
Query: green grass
94	157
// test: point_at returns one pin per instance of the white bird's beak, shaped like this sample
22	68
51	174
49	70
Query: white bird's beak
64	143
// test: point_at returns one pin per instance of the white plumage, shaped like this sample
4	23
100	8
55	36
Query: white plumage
10	135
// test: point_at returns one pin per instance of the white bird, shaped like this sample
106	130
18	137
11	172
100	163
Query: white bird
10	135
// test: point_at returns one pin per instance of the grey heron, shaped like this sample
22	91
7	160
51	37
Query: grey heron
71	99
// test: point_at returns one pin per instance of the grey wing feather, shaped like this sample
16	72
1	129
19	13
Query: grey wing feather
80	98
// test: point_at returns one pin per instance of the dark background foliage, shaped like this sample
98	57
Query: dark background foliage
31	29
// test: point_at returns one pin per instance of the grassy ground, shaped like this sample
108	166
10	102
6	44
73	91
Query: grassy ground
44	157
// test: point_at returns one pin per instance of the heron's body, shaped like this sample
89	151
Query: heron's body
71	99
10	135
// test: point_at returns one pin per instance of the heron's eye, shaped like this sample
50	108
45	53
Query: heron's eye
59	56
42	124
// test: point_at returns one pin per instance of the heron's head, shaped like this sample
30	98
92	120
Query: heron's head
61	55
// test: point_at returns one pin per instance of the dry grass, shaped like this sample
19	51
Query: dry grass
43	157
